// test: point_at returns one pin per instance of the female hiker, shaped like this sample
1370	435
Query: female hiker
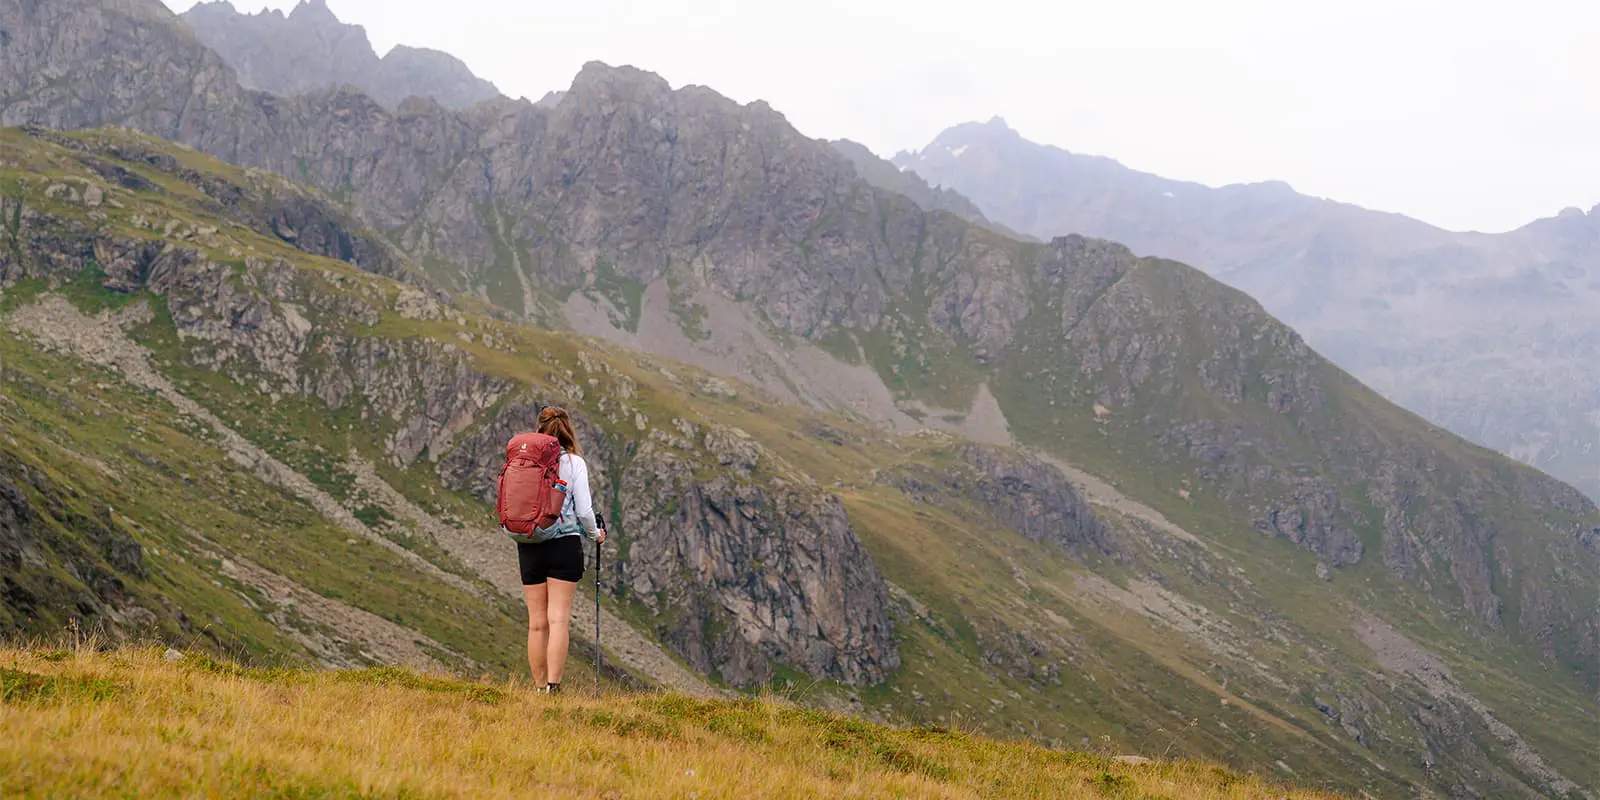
551	569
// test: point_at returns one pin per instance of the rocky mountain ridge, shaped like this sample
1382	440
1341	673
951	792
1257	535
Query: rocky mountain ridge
309	48
1484	335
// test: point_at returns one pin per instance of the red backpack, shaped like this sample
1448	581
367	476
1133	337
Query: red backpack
531	490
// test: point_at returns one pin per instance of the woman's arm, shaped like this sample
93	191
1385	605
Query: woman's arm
582	502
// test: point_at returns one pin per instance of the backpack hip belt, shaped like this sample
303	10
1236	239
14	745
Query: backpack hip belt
540	535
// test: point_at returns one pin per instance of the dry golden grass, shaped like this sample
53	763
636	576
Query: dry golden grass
130	723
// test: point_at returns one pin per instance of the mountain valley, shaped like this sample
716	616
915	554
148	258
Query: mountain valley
261	353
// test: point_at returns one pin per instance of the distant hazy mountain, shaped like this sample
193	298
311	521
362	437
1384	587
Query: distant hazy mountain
311	49
883	174
1492	336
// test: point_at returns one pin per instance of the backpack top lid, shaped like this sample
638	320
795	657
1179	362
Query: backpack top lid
540	448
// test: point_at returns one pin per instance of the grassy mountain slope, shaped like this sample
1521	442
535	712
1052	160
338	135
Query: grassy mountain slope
356	733
1073	622
128	507
735	200
1485	334
1257	528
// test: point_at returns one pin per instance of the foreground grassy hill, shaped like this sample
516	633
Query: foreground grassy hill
139	723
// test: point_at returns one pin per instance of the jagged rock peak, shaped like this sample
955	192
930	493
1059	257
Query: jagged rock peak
995	132
312	49
602	78
313	9
598	81
227	6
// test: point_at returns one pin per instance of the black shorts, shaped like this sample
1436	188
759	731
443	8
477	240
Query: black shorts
561	559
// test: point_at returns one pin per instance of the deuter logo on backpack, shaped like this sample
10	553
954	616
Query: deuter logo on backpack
531	493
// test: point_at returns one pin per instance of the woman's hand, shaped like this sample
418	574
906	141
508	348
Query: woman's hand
600	536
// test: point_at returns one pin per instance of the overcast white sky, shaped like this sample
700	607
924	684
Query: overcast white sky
1470	114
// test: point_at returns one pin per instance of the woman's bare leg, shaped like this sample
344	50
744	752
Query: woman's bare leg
538	631
559	619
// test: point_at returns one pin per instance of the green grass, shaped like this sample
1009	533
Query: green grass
624	293
691	315
920	363
88	293
17	686
841	344
1145	688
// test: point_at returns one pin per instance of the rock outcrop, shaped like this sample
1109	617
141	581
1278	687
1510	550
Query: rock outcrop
62	557
1310	518
1020	492
21	554
743	574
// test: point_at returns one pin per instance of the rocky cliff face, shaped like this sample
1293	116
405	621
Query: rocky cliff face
769	572
310	49
1484	335
1024	493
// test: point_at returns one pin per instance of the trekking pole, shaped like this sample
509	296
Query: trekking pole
601	521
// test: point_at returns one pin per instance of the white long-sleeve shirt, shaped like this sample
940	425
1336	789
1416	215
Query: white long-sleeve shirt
580	504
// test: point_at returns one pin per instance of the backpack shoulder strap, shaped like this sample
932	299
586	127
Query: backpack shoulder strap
569	509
